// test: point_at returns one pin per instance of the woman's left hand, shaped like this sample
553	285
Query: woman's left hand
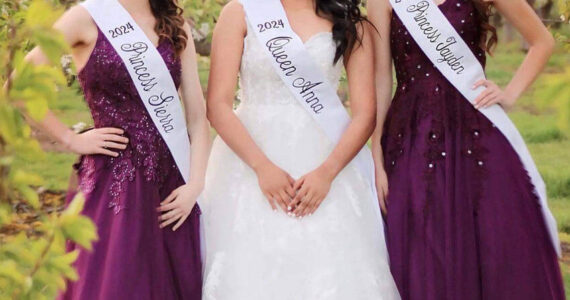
178	205
311	191
493	94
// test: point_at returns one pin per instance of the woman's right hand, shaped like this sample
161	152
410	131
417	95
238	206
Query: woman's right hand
98	141
276	185
382	189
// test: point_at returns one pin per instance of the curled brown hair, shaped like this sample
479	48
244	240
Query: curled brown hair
170	23
489	36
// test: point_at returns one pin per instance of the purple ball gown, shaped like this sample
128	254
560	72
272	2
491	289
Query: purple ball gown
463	220
133	258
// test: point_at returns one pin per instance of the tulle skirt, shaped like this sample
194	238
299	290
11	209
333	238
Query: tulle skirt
253	252
133	258
463	219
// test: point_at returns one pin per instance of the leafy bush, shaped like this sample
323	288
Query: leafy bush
33	260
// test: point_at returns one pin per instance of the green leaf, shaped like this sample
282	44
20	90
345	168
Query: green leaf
5	214
76	227
37	109
75	206
8	123
52	44
79	229
41	14
21	177
29	195
9	269
63	263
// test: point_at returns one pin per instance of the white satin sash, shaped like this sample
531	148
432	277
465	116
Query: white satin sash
149	74
303	77
445	48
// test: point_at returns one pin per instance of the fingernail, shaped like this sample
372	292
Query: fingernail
288	207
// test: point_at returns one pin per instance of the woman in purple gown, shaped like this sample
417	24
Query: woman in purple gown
146	249
463	220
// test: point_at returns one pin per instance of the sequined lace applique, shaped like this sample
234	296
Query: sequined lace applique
114	102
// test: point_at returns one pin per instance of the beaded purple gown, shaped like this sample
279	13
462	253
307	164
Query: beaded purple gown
463	220
133	258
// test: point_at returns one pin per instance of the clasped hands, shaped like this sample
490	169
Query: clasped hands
298	198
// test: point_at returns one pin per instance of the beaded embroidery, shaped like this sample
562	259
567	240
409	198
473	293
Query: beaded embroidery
114	102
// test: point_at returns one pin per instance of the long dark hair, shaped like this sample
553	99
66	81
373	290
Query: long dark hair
170	23
489	36
346	17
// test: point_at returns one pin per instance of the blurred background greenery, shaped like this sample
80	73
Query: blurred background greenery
34	172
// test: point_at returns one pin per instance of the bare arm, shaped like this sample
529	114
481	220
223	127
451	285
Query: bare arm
360	73
541	42
179	204
227	48
380	13
80	32
195	109
315	186
227	45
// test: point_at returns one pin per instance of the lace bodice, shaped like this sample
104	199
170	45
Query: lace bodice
259	84
114	102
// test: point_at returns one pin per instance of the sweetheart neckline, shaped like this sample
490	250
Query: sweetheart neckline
316	35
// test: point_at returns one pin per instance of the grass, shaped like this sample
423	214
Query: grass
560	208
537	128
553	161
54	168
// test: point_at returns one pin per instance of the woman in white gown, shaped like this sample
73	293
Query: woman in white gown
260	242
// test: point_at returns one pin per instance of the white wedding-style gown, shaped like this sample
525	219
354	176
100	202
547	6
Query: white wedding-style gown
255	253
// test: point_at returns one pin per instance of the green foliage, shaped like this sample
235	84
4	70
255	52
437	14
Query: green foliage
564	9
204	14
36	268
554	93
33	262
536	129
553	160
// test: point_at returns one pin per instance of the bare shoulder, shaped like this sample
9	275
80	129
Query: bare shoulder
234	8
188	29
77	26
378	7
232	15
190	47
